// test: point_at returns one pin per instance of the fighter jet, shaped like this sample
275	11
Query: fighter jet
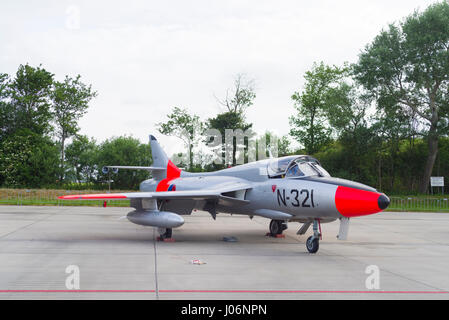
288	189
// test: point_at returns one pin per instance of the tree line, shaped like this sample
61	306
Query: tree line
38	114
382	120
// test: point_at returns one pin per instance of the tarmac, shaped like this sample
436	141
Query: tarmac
115	259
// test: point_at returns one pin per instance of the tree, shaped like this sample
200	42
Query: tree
81	155
70	102
6	110
26	151
409	64
276	146
231	121
29	99
188	127
234	117
309	126
28	160
346	107
243	95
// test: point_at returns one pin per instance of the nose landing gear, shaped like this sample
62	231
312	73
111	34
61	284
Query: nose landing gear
313	243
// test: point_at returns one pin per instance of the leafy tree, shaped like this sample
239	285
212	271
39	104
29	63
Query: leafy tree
236	104
309	126
409	64
231	121
81	155
282	144
188	127
31	107
124	151
28	160
26	156
5	106
70	102
29	103
346	108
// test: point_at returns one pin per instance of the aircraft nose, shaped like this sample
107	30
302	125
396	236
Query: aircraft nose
383	202
352	202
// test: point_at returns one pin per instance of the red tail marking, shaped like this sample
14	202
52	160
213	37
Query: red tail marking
173	172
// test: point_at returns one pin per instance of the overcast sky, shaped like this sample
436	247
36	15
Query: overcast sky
146	57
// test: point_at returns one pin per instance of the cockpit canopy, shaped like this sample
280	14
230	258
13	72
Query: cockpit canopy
296	167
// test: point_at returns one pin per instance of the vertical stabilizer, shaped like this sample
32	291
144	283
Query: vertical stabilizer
160	159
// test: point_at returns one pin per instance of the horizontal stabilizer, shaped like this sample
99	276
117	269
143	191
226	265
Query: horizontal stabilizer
136	168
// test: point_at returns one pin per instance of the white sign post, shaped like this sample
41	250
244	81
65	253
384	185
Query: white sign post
437	182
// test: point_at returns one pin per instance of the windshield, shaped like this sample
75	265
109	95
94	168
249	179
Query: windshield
291	167
296	166
279	166
323	171
304	169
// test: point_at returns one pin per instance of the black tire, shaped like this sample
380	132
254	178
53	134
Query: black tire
312	245
168	234
284	226
276	227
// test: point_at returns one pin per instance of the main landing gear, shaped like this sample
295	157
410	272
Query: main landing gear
165	235
313	243
277	227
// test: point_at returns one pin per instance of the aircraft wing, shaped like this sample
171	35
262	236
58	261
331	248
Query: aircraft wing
168	195
194	195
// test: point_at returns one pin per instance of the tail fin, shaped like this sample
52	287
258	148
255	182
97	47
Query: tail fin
161	160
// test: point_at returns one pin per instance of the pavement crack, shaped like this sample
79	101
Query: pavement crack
26	226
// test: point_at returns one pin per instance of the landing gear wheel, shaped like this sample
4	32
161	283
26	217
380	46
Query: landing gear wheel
313	244
165	236
168	234
277	227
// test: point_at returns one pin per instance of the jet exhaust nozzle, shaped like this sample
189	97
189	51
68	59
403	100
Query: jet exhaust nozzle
152	218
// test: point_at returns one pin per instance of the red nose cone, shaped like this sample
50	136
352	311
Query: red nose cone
356	203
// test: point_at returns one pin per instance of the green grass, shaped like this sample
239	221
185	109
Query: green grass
65	203
49	197
420	204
